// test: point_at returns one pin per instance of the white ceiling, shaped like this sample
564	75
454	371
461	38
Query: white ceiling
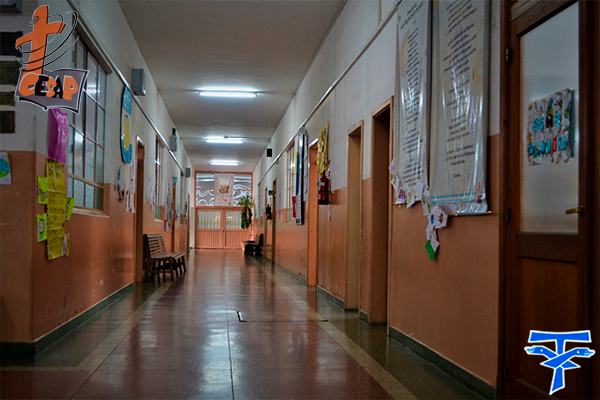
261	45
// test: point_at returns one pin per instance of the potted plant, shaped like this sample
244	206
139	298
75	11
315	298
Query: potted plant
246	203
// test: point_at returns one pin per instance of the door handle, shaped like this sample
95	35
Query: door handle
576	210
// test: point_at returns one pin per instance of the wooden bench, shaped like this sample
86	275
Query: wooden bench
157	259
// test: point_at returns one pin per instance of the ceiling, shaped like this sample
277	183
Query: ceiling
262	45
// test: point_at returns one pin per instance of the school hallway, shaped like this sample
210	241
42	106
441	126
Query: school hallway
232	326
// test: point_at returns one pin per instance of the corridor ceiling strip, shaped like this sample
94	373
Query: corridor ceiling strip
113	65
331	88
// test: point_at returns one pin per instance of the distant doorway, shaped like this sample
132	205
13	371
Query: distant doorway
139	212
313	217
376	224
354	217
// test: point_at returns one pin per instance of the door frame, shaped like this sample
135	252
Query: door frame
386	106
313	217
138	229
223	237
354	212
517	19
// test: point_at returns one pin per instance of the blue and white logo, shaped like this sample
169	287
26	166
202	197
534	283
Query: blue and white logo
560	360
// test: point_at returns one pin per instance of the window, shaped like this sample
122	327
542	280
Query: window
290	180
85	159
158	161
205	188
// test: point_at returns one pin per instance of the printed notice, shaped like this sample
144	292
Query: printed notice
458	164
413	91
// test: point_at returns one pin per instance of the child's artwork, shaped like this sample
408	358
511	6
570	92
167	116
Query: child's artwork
549	133
42	227
42	190
5	176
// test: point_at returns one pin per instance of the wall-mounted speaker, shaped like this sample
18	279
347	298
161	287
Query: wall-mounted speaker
269	152
188	172
137	82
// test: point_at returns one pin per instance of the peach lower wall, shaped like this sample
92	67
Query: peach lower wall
17	228
39	295
291	245
331	246
450	304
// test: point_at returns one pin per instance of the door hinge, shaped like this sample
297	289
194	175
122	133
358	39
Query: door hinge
507	215
505	374
508	55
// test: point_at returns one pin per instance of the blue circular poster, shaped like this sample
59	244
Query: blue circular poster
126	109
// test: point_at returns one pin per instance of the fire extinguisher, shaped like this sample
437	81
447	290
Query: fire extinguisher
268	212
323	190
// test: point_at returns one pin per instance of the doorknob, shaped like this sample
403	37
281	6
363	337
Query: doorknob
576	210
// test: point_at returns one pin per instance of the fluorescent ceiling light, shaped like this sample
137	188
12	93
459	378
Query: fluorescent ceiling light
224	140
227	93
230	163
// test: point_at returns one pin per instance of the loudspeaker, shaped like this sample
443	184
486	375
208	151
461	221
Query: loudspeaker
188	172
269	152
137	82
173	141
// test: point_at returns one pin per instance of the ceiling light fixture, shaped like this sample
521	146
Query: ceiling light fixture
224	140
229	163
227	93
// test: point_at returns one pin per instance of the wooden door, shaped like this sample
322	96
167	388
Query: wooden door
546	273
219	228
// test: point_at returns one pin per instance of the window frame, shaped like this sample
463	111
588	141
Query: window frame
96	136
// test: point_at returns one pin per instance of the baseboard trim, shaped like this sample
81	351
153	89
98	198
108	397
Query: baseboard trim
330	297
287	271
30	348
458	373
363	316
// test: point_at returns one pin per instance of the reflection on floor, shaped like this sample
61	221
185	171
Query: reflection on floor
187	339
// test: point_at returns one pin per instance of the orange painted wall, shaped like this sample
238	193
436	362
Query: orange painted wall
291	245
331	248
450	304
39	295
17	228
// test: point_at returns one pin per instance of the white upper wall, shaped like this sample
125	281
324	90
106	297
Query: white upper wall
367	85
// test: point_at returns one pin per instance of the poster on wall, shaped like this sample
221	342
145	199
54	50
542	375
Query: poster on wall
549	133
5	175
459	108
300	175
323	150
224	190
126	110
412	91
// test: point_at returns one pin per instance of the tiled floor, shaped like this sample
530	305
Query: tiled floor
186	340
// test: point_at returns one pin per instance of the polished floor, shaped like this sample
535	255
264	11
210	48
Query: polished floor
233	327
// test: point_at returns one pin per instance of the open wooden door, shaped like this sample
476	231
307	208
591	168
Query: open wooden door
546	275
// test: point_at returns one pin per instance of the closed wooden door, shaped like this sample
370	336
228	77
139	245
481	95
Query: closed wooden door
219	228
548	194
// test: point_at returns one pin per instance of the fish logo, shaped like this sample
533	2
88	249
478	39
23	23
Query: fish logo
559	360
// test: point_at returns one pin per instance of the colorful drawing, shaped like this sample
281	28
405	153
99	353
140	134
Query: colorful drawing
70	206
549	131
42	190
42	227
126	110
5	176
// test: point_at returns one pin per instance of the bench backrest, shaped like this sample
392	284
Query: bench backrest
154	245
